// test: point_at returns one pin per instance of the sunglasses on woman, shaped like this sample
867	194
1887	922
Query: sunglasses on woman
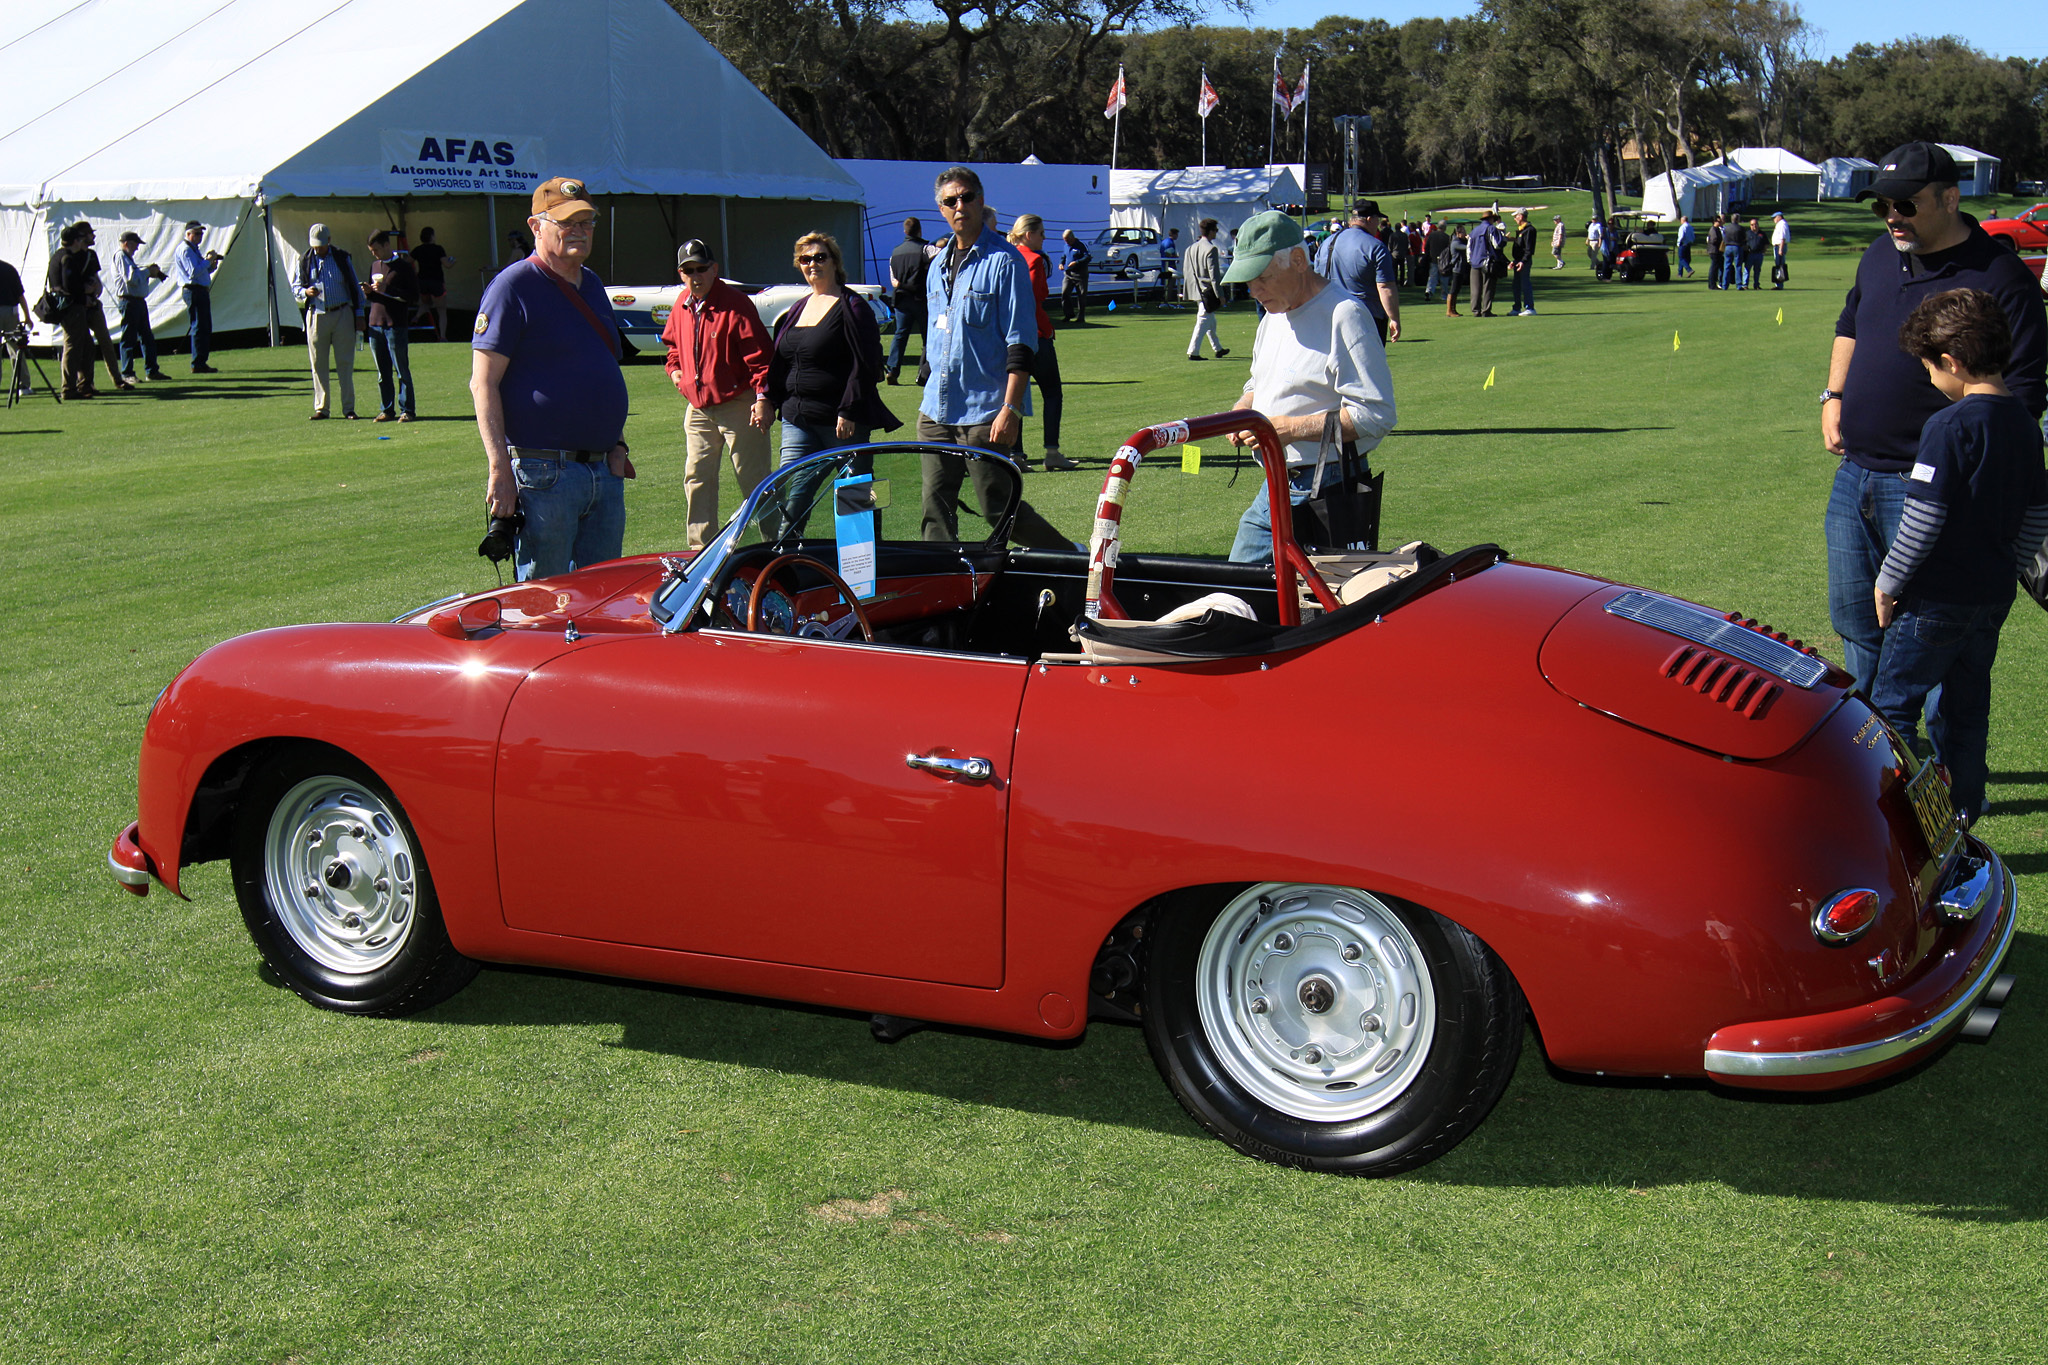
814	258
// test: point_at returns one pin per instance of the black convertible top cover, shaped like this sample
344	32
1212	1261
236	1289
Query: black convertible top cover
1221	635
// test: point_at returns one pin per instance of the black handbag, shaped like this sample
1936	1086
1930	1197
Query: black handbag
49	307
2034	577
1342	510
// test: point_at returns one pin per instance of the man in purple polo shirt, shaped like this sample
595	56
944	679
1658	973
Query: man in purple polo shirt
550	401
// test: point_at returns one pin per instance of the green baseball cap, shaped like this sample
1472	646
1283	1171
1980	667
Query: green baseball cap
1261	239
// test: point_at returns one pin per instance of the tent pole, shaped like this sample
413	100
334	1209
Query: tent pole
724	235
491	225
270	271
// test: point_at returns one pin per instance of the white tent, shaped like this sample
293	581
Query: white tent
1841	177
1074	197
1695	192
1976	172
1182	199
383	113
1775	173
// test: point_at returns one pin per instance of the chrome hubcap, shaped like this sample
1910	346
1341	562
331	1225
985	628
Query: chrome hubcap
1316	1000
341	873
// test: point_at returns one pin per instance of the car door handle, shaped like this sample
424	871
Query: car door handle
955	769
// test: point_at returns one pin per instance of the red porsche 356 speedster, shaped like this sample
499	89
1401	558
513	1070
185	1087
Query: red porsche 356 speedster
1329	830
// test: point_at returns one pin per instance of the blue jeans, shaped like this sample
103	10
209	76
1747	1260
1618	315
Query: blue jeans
1524	288
199	330
1949	645
136	338
1862	519
575	515
800	443
906	323
1731	272
1254	543
391	349
1685	258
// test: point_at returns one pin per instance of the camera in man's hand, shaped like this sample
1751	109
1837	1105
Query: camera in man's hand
499	535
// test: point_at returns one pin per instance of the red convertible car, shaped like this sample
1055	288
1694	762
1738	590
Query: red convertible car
1329	830
2026	234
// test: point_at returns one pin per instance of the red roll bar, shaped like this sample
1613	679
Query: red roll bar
1288	558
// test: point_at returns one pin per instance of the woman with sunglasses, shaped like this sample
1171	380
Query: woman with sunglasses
825	367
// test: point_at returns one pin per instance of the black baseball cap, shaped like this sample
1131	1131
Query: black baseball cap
693	252
1907	170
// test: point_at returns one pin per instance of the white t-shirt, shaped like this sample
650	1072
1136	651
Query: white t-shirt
1310	359
1781	233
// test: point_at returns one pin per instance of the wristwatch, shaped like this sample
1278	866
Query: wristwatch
1827	395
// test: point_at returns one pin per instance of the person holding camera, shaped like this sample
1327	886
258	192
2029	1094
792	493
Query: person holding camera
325	286
193	270
75	280
550	399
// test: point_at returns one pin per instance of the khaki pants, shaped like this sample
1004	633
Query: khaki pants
993	487
708	434
335	328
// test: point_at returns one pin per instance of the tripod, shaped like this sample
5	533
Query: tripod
18	364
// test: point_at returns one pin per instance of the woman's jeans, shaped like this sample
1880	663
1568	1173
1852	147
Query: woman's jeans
800	443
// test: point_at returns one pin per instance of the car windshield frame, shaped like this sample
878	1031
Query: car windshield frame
683	593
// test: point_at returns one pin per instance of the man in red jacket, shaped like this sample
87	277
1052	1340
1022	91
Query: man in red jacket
718	358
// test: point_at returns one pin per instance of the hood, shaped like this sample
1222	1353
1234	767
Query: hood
1709	679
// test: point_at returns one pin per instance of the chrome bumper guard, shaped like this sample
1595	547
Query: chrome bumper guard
1969	889
127	876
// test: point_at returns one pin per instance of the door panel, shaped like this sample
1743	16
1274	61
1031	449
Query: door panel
746	795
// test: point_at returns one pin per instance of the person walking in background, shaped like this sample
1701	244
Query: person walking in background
1357	261
1522	261
550	399
1557	242
718	355
824	370
329	296
1596	232
394	292
193	270
74	277
1975	513
430	263
1316	354
1685	241
1203	270
1781	239
1717	241
1027	235
132	281
907	264
1735	246
1074	284
1484	254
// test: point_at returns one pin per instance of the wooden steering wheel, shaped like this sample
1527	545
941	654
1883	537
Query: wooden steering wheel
762	579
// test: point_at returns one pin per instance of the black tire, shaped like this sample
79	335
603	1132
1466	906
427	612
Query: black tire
1229	1080
365	936
1663	274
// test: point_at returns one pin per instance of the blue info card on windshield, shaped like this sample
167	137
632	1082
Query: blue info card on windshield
853	518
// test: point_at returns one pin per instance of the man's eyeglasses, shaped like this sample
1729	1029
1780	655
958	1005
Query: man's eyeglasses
814	258
572	225
697	269
1883	207
954	201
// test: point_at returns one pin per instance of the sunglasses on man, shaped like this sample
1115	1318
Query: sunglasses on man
697	269
1883	207
954	201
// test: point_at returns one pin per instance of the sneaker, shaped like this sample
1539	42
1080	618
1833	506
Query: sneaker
319	415
157	374
407	417
204	369
1197	356
1222	351
384	417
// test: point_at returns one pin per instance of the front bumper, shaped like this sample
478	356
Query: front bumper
1848	1047
129	864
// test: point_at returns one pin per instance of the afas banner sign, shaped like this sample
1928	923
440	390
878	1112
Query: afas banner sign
463	162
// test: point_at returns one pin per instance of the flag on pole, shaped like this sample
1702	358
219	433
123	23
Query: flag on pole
1283	93
1781	315
1674	341
1207	99
1300	91
1117	97
1489	377
1190	459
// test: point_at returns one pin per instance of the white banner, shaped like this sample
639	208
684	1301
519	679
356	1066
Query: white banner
422	162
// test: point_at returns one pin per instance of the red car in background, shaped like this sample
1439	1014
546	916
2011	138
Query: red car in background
2027	234
1331	831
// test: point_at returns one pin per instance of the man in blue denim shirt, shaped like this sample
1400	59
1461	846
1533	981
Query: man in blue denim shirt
983	326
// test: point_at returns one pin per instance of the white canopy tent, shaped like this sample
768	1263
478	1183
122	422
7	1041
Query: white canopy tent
1065	197
1976	172
1842	177
1775	173
1182	199
138	114
1695	192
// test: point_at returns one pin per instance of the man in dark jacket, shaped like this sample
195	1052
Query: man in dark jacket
1877	397
1074	287
907	264
330	299
75	278
1521	258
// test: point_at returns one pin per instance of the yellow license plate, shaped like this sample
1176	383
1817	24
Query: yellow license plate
1929	795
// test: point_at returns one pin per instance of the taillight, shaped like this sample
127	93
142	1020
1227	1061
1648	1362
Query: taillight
1844	916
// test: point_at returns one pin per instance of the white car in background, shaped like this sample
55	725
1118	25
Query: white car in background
642	310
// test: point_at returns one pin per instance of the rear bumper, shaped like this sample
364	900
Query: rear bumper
1848	1047
129	864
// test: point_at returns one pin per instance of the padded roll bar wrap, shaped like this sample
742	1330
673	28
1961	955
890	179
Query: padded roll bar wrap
1289	559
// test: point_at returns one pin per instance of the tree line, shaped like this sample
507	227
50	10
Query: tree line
1571	91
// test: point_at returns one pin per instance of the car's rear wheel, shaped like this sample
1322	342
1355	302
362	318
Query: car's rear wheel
335	891
1326	1028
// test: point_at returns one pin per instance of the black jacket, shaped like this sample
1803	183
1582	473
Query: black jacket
309	263
861	401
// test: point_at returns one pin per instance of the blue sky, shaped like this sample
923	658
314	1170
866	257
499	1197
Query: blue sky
1842	23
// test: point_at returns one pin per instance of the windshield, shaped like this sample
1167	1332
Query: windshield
844	505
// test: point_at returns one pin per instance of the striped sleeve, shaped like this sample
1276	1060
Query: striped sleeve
2033	531
1919	527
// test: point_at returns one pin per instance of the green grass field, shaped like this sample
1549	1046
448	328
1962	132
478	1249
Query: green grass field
551	1168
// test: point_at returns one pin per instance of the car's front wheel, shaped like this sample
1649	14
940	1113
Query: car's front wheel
1327	1028
335	891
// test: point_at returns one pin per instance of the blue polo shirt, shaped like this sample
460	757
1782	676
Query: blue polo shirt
985	309
562	388
1359	262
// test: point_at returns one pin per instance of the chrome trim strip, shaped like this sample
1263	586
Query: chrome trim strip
127	876
1725	1063
403	617
1717	632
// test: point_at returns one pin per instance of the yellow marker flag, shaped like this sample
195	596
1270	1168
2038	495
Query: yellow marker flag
1674	341
1489	378
1781	317
1190	459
